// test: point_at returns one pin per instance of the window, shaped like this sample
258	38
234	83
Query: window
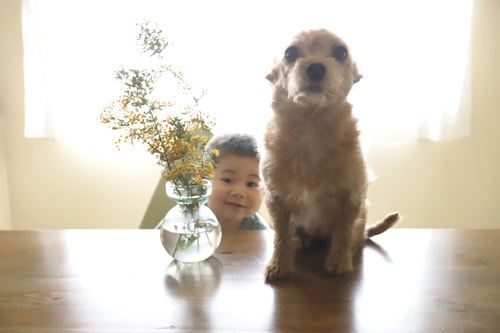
413	56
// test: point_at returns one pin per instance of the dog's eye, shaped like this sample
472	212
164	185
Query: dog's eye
291	54
340	53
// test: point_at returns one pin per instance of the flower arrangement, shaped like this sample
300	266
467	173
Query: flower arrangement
168	121
171	126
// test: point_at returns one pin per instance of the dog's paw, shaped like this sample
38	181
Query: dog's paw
339	264
275	272
339	268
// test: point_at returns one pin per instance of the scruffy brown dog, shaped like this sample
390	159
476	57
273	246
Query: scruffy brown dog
313	167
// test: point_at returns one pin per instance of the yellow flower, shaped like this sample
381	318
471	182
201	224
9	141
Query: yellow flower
176	134
198	180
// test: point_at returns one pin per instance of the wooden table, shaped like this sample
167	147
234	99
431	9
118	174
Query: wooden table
411	280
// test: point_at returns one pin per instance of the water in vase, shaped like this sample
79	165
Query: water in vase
191	242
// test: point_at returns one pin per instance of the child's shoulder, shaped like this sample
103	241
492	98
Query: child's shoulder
254	222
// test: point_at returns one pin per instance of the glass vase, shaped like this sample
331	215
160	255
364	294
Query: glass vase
190	231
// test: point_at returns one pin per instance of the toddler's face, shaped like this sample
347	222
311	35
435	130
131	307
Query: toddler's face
236	189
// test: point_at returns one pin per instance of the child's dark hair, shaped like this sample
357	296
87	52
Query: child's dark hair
234	144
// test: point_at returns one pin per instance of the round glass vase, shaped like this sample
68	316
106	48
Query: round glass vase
190	231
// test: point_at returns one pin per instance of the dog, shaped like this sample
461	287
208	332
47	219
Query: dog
313	167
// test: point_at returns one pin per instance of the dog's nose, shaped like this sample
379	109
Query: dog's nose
316	71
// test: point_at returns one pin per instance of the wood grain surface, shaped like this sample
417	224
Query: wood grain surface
406	280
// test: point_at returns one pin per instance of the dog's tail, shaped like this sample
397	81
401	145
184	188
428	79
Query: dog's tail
381	226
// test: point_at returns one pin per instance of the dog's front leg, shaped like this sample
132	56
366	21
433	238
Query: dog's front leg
281	264
339	256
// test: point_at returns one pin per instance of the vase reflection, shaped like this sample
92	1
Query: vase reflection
193	279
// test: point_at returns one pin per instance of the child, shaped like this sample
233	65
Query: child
237	191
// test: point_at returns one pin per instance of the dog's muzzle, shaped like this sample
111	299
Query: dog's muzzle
316	71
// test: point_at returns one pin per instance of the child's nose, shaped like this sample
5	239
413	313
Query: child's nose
238	191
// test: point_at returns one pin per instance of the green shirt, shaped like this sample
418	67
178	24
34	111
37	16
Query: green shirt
254	222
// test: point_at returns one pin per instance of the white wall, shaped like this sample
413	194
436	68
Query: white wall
5	220
457	183
5	103
52	184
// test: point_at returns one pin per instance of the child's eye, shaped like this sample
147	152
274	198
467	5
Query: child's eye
227	180
252	184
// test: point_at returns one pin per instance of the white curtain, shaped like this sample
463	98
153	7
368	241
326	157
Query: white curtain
413	56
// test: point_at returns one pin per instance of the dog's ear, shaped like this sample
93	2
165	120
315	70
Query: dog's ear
355	73
272	76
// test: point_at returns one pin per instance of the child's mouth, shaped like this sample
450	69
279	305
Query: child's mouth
235	204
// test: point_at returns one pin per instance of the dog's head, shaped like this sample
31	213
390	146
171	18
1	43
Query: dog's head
316	69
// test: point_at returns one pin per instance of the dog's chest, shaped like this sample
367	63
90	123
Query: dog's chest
304	154
313	158
310	214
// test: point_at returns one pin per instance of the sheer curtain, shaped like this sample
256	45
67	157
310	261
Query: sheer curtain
413	56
